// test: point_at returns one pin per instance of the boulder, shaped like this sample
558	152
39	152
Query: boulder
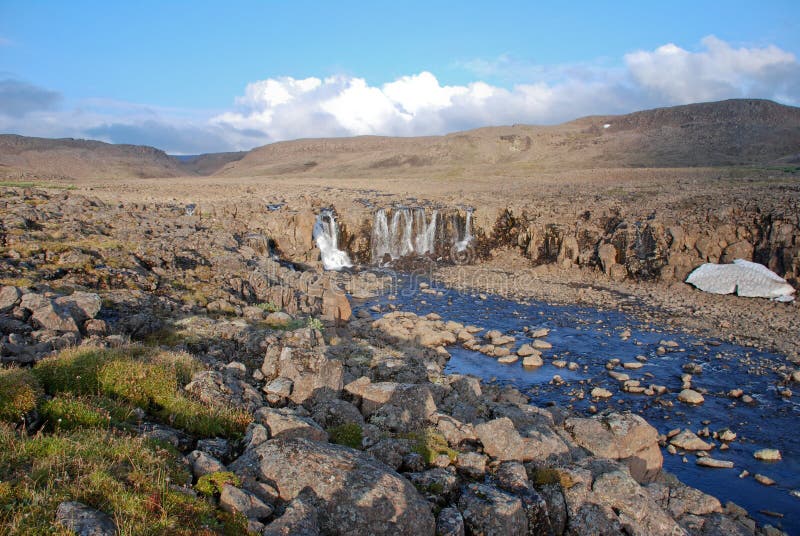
300	517
233	500
620	436
9	296
414	401
47	315
314	377
501	440
286	424
83	520
224	390
82	306
488	511
450	522
203	464
353	493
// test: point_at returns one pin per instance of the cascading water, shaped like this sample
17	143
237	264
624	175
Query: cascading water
462	244
381	240
414	231
326	235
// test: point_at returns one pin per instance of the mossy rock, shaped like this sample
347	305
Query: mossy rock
212	483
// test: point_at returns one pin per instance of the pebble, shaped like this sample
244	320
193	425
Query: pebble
599	392
539	333
765	480
532	361
707	461
525	350
767	455
508	359
633	365
539	344
559	363
690	396
735	393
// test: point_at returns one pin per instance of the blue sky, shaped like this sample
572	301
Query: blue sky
206	76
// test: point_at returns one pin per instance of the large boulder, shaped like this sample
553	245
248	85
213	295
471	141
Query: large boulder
353	493
501	440
396	406
621	436
490	512
286	424
314	377
47	315
81	305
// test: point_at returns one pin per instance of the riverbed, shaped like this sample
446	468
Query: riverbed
590	337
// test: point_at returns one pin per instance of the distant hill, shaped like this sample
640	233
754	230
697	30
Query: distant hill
726	133
67	157
731	132
207	164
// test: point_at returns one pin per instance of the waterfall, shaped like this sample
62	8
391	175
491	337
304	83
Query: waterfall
326	235
462	244
381	240
416	231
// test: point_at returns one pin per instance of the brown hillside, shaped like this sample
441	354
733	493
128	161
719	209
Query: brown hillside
83	159
732	132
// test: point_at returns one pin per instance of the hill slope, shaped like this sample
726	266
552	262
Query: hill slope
72	158
732	132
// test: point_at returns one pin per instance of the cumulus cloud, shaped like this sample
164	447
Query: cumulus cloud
284	108
678	76
287	108
18	98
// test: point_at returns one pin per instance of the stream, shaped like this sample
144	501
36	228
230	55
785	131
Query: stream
590	337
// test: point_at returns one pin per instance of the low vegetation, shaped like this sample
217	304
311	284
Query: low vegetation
347	434
89	401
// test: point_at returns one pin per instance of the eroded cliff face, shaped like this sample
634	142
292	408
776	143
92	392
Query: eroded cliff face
612	239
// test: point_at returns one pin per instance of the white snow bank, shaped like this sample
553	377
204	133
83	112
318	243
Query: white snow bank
743	277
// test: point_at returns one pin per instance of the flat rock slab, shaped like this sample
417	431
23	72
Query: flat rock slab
84	520
354	494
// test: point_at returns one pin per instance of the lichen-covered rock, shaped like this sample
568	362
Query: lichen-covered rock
449	522
354	493
501	440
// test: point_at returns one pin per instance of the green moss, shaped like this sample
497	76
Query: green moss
549	476
348	434
128	477
211	484
19	394
429	444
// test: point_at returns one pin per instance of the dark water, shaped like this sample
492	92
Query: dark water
590	337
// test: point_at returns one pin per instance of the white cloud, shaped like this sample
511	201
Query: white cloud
284	108
720	71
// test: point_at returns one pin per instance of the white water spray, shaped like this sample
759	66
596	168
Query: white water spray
326	235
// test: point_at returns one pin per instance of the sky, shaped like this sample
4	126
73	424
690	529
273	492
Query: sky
191	77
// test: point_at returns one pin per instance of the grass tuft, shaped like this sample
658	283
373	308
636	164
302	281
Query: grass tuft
19	394
212	483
